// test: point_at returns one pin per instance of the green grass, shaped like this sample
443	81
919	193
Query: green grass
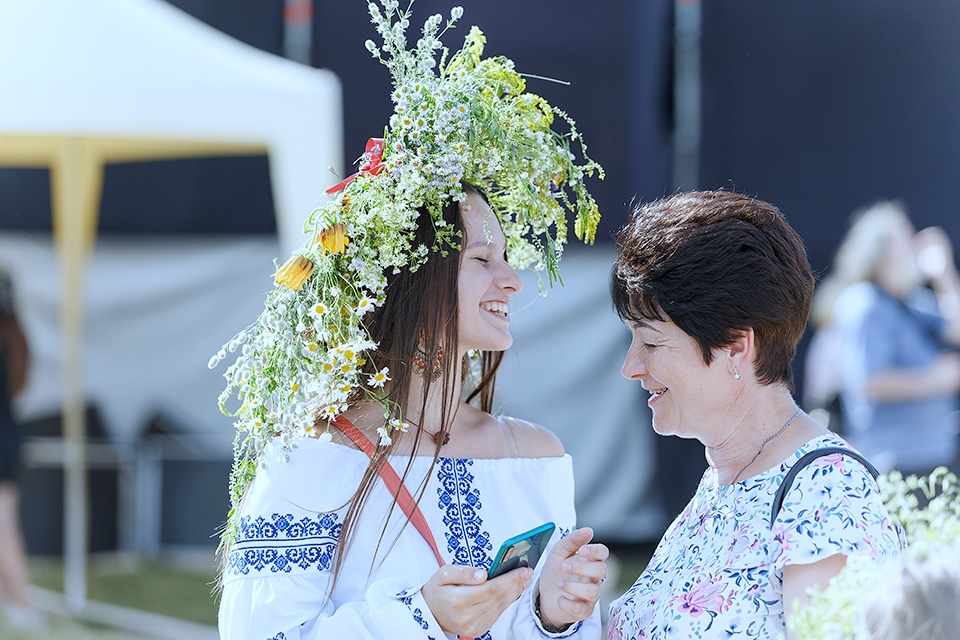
632	559
158	587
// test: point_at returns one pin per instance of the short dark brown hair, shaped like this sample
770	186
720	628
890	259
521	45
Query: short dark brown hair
716	263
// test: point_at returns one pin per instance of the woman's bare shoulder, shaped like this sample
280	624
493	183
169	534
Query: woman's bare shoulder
533	440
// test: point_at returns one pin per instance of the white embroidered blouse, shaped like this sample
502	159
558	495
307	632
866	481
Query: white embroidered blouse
279	570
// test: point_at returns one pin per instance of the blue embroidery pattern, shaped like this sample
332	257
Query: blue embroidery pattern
572	630
282	543
279	636
467	542
406	597
418	616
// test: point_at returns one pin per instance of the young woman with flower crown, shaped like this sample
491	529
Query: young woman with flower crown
372	485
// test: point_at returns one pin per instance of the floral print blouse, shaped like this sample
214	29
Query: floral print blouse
718	571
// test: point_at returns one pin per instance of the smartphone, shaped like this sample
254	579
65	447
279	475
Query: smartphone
523	550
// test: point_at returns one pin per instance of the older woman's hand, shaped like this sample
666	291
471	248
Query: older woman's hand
570	581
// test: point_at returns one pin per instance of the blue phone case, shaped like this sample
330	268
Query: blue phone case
523	550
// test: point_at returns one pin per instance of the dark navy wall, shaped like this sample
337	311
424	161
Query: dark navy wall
823	107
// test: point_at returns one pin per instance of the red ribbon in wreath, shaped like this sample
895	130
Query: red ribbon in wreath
373	165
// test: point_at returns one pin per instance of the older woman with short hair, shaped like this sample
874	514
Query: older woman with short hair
715	288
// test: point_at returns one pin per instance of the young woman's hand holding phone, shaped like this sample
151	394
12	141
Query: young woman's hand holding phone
465	602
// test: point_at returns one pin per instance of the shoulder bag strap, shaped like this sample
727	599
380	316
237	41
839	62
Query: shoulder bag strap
803	462
390	478
395	485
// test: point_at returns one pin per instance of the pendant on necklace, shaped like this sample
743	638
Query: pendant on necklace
446	437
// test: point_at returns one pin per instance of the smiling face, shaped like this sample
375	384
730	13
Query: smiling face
486	280
685	393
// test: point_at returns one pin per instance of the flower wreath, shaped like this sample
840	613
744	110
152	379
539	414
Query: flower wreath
929	531
466	119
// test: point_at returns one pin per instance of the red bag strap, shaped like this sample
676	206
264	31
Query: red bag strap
390	478
395	485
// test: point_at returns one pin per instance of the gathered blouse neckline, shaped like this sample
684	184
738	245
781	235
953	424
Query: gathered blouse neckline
780	467
337	445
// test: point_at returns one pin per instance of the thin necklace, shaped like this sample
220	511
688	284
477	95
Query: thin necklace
433	436
762	445
722	491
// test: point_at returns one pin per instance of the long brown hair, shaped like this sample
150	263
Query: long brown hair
421	310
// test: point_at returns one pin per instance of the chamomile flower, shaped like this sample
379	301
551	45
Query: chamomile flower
330	412
364	305
378	379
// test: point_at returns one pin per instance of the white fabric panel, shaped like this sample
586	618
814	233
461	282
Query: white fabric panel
158	308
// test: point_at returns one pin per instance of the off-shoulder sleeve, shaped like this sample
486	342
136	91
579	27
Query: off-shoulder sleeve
833	507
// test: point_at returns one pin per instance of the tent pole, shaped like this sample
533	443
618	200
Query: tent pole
686	94
298	30
77	181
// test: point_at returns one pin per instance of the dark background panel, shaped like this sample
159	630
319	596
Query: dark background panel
256	22
25	199
197	195
41	510
823	108
192	515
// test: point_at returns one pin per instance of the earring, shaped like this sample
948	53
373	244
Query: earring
736	374
420	360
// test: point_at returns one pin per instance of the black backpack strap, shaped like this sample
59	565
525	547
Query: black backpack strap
806	460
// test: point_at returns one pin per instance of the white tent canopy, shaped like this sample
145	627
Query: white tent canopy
87	82
143	69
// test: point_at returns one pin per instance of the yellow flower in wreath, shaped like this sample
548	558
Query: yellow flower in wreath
294	272
333	239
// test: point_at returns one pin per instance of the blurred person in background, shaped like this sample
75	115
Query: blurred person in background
14	576
886	340
715	288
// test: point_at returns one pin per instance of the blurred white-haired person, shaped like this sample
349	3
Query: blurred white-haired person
918	599
888	320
